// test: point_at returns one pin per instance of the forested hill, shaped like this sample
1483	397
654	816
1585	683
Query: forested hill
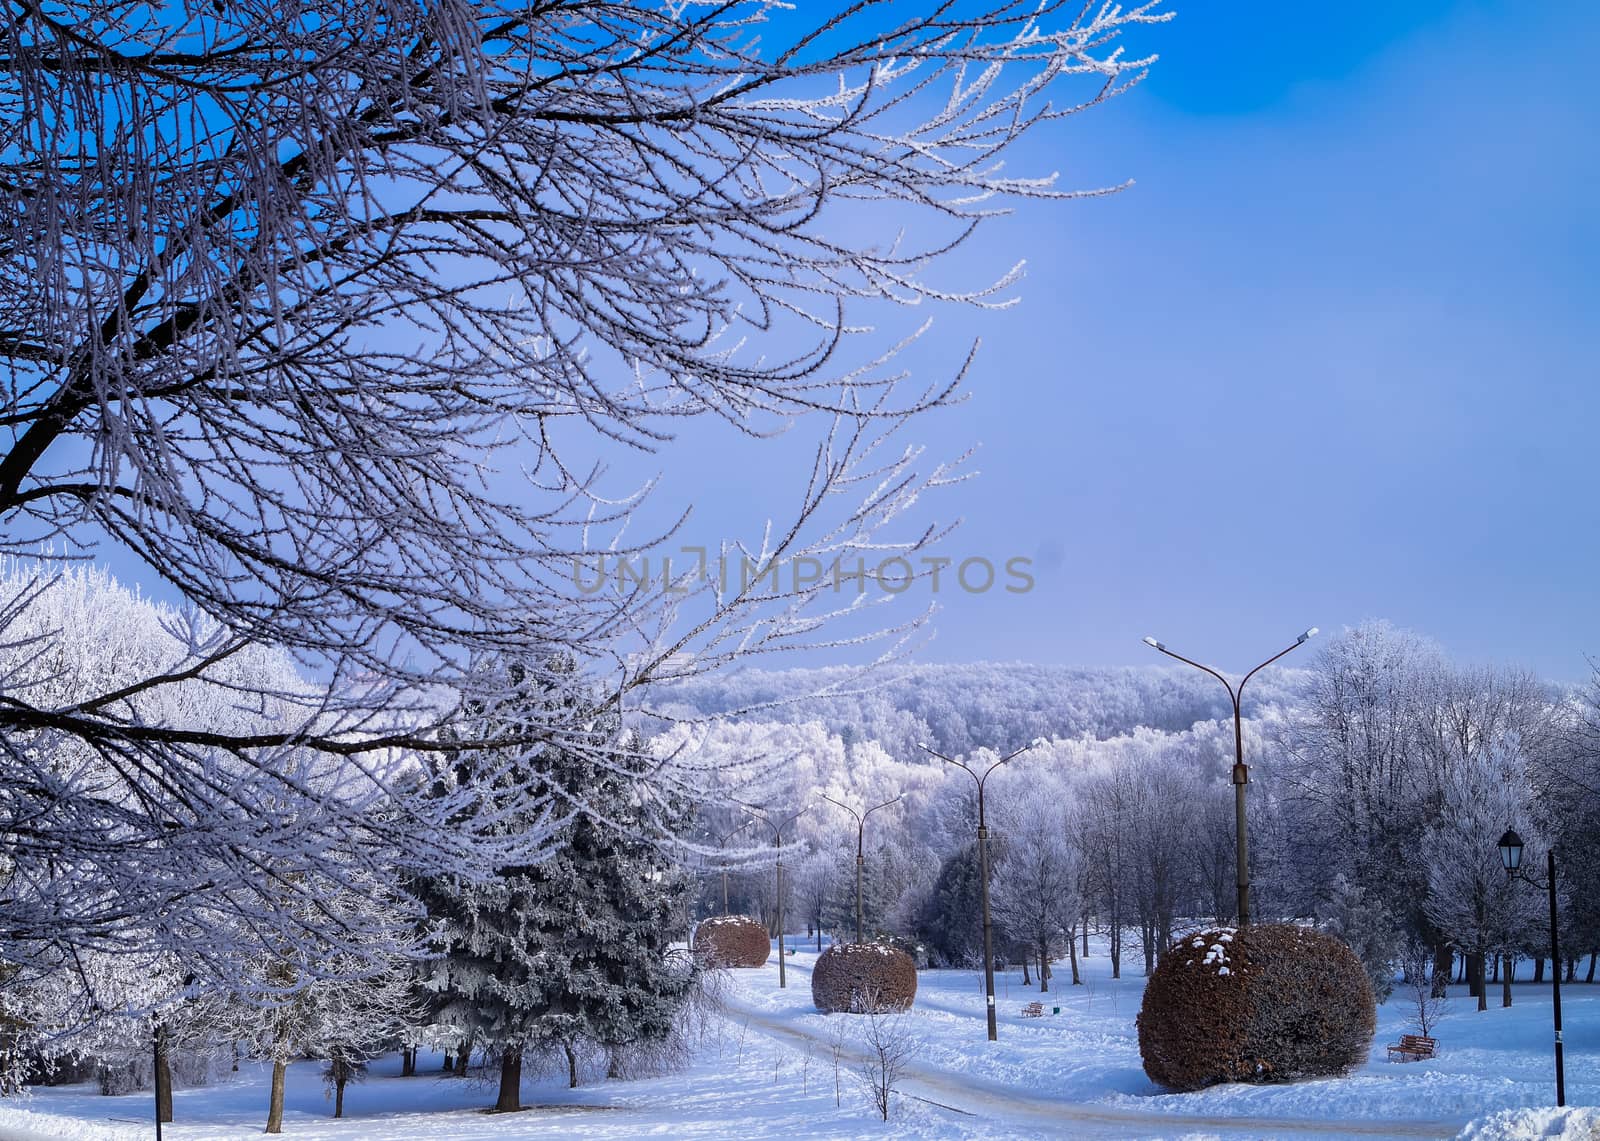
958	707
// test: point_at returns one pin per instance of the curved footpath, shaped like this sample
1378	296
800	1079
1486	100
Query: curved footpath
966	1095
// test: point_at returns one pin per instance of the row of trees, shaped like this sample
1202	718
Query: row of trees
1130	836
568	954
1394	783
1383	776
1380	792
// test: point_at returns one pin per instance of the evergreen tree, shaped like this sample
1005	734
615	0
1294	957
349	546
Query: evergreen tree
951	922
575	948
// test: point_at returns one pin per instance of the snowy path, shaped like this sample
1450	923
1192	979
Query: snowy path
980	1097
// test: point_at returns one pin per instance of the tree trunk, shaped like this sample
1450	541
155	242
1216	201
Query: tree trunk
1538	969
463	1056
1044	966
510	1098
449	1062
1589	978
408	1062
1072	952
1444	962
1444	959
1026	981
275	1103
1085	934
1475	979
338	1096
1505	981
163	1076
1572	970
572	1065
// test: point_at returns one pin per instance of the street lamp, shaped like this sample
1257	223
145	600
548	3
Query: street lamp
983	870
777	836
861	828
722	859
1511	857
1241	772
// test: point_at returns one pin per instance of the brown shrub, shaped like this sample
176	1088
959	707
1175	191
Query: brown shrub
732	941
862	978
1259	1004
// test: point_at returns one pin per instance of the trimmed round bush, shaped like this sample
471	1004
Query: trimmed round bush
863	978
1255	1004
732	941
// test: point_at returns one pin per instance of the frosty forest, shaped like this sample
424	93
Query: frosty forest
338	338
1383	776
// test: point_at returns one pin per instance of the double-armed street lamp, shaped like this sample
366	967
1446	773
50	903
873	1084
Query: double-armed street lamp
1241	773
777	838
983	870
861	829
1511	857
722	859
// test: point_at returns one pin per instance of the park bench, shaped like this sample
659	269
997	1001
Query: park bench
1412	1048
1033	1010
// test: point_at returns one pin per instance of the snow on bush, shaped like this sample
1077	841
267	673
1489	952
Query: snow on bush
863	978
1528	1124
1257	1004
732	941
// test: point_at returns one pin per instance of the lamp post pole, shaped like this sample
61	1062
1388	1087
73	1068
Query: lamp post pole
1511	857
983	875
1555	983
861	829
777	837
157	1043
1241	771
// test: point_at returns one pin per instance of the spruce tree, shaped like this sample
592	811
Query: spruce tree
576	948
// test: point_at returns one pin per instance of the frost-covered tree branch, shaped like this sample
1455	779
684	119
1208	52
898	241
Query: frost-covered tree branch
279	284
330	314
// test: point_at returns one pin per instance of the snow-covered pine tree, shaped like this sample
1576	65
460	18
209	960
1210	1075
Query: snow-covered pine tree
576	948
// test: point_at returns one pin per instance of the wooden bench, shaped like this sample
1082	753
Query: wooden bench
1033	1010
1412	1048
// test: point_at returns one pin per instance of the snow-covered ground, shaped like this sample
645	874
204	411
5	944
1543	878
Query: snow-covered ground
769	1068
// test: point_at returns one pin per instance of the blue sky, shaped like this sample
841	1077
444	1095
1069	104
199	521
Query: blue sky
1332	358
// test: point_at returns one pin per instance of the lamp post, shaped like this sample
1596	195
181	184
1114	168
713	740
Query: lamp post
1511	857
159	1052
1241	772
777	837
983	872
861	829
722	859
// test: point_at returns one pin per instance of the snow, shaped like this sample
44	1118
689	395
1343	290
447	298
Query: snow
1528	1124
767	1069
